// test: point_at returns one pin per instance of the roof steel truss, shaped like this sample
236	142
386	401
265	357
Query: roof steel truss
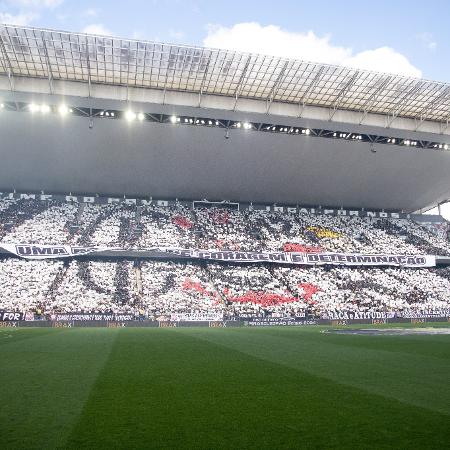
57	55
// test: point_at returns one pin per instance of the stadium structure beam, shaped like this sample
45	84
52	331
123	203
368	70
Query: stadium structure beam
241	80
47	62
2	62
396	112
127	83
198	75
88	69
341	93
202	85
8	66
445	125
373	98
304	101
427	108
6	70
166	77
275	87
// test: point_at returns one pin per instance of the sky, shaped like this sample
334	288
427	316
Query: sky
405	37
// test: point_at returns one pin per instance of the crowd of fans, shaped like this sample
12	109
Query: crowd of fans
153	289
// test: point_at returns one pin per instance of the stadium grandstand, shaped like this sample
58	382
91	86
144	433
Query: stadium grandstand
162	183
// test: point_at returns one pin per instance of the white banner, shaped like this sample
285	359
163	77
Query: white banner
210	317
38	251
29	251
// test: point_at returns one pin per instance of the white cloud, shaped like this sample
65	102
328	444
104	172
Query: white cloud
97	28
427	41
176	34
37	3
383	59
21	19
25	11
91	12
272	40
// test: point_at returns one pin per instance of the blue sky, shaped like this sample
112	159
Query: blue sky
407	37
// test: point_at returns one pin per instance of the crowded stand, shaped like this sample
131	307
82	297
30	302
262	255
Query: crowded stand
178	288
165	227
97	287
34	221
368	290
31	223
253	291
153	289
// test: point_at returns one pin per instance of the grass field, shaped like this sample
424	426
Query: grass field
222	388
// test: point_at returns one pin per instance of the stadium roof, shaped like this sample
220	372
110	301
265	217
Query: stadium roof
57	55
344	163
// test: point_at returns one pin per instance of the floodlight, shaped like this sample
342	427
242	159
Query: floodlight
307	131
2	105
130	115
445	146
45	109
63	110
247	125
33	107
141	116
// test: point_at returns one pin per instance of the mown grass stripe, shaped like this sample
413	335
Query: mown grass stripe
44	382
427	345
189	389
412	379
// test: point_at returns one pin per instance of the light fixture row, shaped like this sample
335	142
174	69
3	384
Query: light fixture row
44	108
131	116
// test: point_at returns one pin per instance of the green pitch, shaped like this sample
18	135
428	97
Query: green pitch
222	388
